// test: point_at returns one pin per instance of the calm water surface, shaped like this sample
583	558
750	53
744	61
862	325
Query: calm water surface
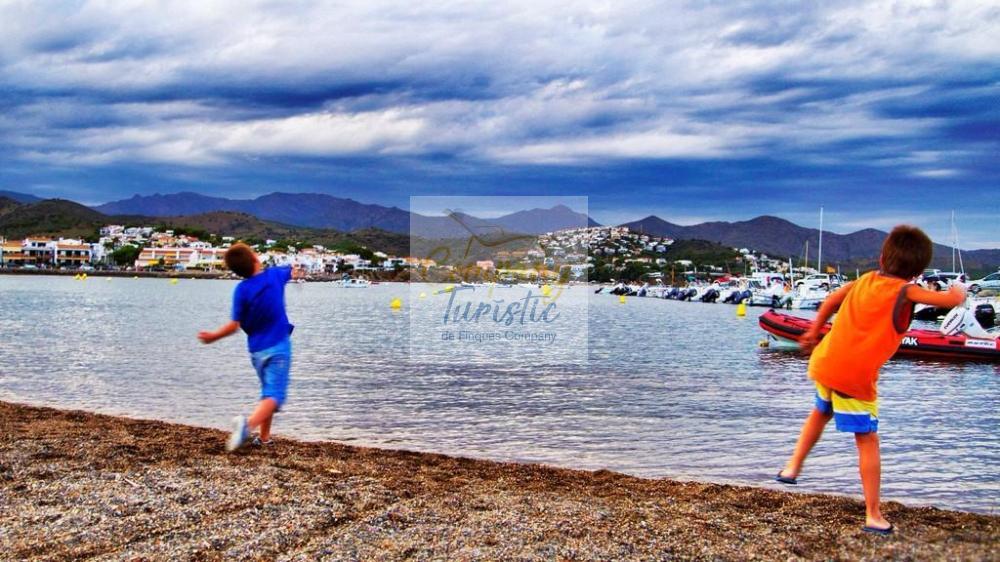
670	389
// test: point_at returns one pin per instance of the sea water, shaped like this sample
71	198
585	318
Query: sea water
664	388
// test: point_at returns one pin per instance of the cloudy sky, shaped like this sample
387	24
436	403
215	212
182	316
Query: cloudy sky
882	112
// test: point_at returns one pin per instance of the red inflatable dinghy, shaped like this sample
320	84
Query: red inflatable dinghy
916	343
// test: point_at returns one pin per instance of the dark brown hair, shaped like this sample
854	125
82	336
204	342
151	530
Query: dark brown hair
241	260
906	252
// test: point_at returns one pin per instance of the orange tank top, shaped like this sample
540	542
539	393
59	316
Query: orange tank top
866	332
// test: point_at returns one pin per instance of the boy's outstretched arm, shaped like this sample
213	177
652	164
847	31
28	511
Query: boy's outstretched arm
227	329
830	306
942	299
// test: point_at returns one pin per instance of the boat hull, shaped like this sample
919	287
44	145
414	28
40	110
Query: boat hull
916	343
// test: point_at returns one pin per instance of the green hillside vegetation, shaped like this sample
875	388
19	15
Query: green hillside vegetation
7	205
51	217
61	218
701	253
252	230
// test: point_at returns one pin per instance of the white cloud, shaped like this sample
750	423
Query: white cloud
652	144
527	81
204	143
937	173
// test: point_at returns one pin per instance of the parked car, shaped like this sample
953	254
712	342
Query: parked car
941	280
991	281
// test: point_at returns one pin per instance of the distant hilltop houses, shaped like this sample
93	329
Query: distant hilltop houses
602	240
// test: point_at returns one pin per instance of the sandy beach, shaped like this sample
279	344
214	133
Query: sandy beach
76	485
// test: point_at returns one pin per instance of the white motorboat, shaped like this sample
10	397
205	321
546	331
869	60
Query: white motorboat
352	283
761	295
809	299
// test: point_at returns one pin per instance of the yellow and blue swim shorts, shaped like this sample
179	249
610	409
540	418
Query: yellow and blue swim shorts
850	414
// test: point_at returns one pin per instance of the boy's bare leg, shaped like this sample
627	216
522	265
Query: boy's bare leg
870	465
812	429
265	428
262	413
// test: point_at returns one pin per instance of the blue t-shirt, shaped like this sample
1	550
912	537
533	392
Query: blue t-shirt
259	307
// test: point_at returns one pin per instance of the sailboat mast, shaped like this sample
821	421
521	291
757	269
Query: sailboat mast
954	241
819	260
954	247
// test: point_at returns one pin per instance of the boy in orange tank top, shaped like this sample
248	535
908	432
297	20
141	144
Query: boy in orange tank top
873	313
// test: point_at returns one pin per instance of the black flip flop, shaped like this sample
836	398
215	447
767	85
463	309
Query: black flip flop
877	531
785	479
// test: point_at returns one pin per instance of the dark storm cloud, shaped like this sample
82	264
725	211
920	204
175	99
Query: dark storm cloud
744	108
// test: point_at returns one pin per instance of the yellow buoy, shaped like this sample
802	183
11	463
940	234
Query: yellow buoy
741	309
621	299
396	303
173	281
449	288
423	295
546	290
76	277
108	279
135	277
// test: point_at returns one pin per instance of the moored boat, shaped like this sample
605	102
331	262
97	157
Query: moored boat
809	299
916	342
352	283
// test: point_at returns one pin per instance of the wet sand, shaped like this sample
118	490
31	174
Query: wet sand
77	485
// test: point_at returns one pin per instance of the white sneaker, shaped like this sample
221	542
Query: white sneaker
239	436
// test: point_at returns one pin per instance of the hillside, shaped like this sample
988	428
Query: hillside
701	251
248	227
781	238
7	205
19	197
300	209
772	235
51	217
538	221
56	217
315	210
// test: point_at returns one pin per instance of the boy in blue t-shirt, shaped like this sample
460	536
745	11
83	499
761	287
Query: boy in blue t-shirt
259	309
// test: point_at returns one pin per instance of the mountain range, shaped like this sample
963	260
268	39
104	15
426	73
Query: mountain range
325	213
19	197
317	210
300	209
784	239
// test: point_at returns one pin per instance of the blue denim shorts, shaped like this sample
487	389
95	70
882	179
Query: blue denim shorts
273	365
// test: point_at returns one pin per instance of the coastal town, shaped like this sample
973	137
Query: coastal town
601	253
145	248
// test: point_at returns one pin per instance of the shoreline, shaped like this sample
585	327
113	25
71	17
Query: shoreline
180	275
77	484
95	274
